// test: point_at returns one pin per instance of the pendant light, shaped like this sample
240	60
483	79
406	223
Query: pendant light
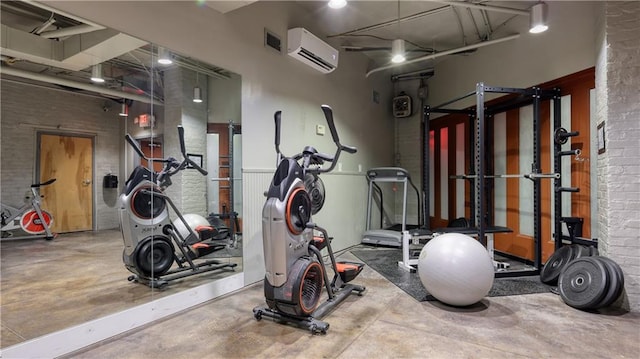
397	51
337	4
124	109
164	56
538	18
397	46
197	92
96	73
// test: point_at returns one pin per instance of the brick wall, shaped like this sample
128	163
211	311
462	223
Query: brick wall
189	187
194	120
617	89
64	113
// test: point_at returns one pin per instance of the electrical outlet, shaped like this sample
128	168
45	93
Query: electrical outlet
320	130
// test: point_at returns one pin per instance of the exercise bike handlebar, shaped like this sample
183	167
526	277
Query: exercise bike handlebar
36	185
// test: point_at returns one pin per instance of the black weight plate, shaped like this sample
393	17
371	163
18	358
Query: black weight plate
616	284
594	251
580	251
551	270
559	136
583	282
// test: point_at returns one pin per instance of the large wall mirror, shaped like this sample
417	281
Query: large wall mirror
58	123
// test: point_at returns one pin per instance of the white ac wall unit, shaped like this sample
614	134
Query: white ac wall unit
306	47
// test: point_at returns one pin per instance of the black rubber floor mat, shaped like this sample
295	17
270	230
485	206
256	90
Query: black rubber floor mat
385	262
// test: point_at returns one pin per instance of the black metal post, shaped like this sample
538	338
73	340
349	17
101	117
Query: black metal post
557	167
472	169
535	168
425	167
479	161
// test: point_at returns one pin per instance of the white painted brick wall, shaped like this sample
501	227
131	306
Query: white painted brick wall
173	118
51	109
617	105
194	120
189	187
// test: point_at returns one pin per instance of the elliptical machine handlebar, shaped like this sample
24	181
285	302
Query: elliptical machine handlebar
172	165
276	117
183	150
310	155
328	114
136	147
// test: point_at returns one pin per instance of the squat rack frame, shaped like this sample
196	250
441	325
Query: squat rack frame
478	115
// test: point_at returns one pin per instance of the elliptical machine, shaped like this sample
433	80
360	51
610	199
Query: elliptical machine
295	272
151	238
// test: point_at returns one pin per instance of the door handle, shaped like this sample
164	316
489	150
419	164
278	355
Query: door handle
86	182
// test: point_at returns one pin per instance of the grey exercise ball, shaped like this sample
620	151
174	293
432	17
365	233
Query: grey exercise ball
456	269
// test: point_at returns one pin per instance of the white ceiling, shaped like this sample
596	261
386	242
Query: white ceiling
427	26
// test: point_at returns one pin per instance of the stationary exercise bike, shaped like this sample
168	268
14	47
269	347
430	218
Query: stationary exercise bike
153	243
30	220
295	272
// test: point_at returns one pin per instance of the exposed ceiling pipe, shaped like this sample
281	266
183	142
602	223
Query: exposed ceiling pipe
45	26
392	22
63	13
79	85
444	53
507	10
69	31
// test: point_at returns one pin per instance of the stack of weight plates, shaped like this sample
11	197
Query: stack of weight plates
585	280
591	282
560	258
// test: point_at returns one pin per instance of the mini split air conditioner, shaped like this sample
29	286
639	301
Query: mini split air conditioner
306	47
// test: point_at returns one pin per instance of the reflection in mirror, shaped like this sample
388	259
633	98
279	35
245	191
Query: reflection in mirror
57	122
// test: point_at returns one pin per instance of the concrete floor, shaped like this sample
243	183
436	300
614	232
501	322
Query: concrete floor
48	286
386	323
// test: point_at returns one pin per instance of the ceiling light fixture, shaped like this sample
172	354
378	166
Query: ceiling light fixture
96	73
197	95
124	109
397	51
397	46
197	92
538	18
337	4
164	56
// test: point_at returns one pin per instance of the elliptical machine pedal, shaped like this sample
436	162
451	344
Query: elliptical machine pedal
295	271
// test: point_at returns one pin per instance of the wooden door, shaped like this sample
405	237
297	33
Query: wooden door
222	130
69	159
152	148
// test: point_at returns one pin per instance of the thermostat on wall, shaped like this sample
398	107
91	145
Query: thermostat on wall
402	105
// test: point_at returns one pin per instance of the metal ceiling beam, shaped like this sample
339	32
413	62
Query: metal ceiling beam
494	8
63	13
70	31
444	53
393	22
